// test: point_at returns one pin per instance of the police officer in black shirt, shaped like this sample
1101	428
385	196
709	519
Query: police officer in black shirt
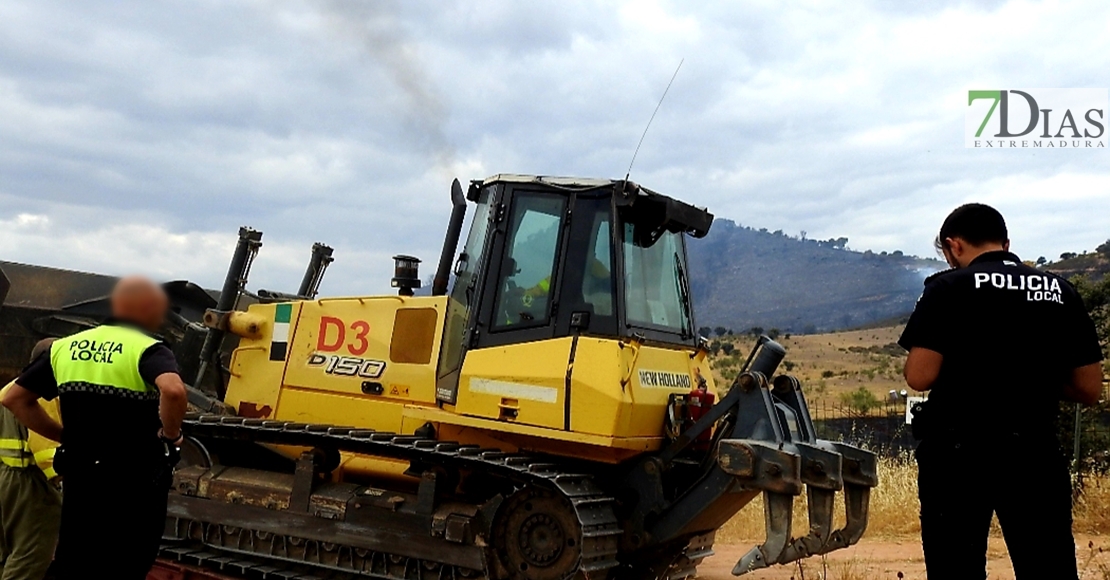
998	344
122	404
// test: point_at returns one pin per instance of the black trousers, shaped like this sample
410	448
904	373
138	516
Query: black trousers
112	521
1025	481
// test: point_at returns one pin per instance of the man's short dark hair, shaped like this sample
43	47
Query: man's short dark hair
976	224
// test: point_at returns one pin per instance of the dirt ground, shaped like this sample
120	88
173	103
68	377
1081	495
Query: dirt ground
882	559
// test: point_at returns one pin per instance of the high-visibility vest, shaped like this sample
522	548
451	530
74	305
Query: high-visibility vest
103	360
20	448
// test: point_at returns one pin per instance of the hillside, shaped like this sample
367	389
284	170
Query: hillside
830	366
1093	264
742	277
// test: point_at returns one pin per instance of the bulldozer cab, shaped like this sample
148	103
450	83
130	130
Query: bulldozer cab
552	257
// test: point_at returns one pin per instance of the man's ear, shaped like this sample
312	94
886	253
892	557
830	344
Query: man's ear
955	246
1006	245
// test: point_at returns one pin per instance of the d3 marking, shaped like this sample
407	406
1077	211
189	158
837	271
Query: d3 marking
334	333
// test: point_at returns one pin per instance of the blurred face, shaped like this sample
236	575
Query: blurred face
154	312
140	301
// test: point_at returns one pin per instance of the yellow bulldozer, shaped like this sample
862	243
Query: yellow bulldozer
541	414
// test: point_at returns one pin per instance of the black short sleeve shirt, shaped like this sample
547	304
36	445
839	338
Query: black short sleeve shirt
1010	336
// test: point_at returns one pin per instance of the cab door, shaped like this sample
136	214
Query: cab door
515	369
521	289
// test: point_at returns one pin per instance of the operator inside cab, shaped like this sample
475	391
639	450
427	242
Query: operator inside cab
597	281
527	289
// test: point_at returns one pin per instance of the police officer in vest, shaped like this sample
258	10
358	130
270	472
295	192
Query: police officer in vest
998	344
122	403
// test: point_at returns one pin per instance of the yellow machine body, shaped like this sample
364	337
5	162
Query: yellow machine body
371	363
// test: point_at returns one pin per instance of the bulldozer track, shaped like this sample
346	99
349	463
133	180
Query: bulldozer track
245	566
594	509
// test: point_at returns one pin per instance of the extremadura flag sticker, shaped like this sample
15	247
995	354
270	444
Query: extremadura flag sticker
279	339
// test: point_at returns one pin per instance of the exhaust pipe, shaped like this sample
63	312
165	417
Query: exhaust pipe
451	242
250	240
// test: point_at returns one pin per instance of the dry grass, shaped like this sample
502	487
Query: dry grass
1092	506
846	570
894	508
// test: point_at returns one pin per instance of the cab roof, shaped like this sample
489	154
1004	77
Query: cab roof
665	212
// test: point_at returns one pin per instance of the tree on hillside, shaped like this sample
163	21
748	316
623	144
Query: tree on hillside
727	348
1104	249
1068	255
705	331
720	330
835	243
1041	261
755	330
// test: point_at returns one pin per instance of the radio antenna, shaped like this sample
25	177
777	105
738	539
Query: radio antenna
660	104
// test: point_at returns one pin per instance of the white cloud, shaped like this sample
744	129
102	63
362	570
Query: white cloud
140	137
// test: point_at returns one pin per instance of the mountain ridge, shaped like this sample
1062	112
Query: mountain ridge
742	277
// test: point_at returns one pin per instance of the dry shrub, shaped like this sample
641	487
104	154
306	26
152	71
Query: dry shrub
848	570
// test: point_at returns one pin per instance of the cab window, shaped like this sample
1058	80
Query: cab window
527	274
597	284
656	291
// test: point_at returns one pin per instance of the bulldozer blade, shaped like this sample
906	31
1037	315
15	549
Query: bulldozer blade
860	475
778	512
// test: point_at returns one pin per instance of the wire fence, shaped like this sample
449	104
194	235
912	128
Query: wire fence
885	430
882	429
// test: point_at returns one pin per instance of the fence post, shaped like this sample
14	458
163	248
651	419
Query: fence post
1076	436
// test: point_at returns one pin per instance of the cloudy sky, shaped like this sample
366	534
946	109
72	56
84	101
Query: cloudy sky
138	136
